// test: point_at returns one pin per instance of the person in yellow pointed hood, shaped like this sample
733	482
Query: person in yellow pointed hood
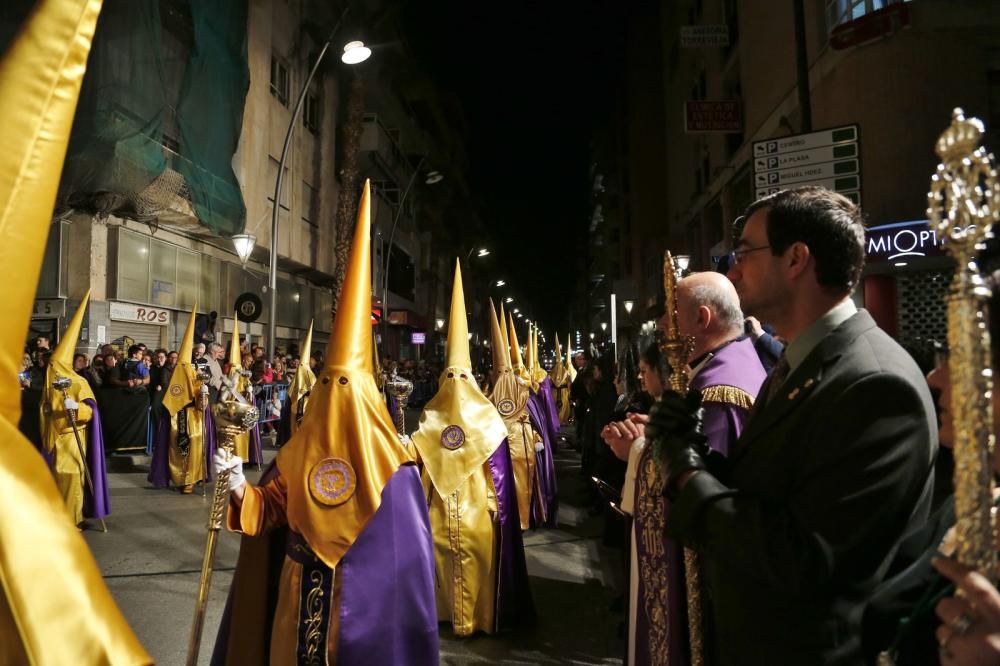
510	397
71	429
538	373
516	362
560	382
472	502
54	605
345	500
185	442
247	444
301	386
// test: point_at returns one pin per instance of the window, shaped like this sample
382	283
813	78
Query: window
279	80
151	271
310	204
310	113
163	273
843	11
272	176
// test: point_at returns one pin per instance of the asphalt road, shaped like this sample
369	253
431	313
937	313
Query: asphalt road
151	561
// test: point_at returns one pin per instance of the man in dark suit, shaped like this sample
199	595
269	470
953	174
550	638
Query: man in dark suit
835	465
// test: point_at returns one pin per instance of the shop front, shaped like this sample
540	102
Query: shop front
906	280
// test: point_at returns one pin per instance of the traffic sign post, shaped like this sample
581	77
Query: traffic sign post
828	158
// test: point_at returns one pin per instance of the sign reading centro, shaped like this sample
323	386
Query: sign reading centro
901	240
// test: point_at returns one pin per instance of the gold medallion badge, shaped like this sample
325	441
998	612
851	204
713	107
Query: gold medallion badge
332	481
452	437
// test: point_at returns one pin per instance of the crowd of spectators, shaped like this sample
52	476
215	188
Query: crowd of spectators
130	382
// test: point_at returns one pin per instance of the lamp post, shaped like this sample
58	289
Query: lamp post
354	53
432	178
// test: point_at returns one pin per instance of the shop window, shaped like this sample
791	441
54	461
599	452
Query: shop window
188	280
210	284
162	273
133	268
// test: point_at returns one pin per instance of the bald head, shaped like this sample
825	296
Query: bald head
708	309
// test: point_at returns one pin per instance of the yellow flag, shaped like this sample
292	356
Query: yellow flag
54	605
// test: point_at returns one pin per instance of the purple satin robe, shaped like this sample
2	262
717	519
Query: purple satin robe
514	605
545	468
98	504
666	642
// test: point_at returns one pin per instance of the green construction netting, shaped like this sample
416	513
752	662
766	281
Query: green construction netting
160	114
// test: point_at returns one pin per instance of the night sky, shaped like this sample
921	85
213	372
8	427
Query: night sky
535	80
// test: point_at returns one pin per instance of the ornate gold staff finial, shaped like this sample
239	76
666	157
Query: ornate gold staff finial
676	347
963	204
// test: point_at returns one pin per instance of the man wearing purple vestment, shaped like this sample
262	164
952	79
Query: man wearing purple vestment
726	370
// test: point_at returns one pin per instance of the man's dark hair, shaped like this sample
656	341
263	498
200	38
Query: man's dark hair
133	349
827	223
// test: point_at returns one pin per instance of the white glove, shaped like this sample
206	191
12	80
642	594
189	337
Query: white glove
235	466
539	446
70	403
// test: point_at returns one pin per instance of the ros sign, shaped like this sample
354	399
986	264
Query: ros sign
139	313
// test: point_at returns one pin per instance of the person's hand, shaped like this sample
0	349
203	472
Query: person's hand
619	435
235	466
70	404
756	330
970	629
674	428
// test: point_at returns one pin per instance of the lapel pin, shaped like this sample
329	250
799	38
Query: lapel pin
809	382
793	393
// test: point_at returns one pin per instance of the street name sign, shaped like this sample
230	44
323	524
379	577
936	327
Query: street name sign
829	158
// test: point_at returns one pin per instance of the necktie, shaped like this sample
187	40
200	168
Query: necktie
779	373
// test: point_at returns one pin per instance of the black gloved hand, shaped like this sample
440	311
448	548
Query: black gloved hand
674	429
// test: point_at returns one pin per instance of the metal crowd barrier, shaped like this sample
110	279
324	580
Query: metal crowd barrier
270	399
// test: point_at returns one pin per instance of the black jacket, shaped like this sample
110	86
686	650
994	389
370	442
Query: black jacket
825	481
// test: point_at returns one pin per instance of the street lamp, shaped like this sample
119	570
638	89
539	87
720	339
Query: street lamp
628	306
508	300
480	252
272	276
432	178
439	323
500	283
604	326
244	246
355	52
682	261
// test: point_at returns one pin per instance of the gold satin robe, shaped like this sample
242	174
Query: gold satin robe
241	442
187	470
60	442
465	525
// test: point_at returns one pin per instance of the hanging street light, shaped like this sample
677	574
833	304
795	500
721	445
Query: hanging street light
355	52
628	306
244	244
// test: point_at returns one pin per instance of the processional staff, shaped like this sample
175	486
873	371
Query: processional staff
677	349
963	204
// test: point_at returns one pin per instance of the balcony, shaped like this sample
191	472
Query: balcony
382	158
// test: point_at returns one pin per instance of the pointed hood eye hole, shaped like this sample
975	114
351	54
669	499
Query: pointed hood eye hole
343	381
326	380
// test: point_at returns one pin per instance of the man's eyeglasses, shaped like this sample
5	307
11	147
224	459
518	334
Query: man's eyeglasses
736	256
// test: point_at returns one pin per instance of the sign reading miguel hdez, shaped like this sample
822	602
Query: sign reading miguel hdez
900	241
830	158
